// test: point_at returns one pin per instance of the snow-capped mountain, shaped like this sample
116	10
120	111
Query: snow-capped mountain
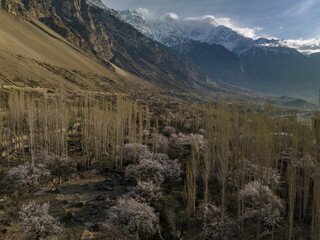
134	18
224	52
171	31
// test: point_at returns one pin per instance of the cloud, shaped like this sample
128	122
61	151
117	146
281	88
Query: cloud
249	32
253	33
146	13
245	31
305	46
305	6
150	15
301	8
172	15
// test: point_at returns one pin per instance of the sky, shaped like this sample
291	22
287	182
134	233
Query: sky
297	21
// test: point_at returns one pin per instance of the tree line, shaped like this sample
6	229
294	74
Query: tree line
244	169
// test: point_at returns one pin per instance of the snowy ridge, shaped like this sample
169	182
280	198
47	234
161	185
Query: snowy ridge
134	18
172	31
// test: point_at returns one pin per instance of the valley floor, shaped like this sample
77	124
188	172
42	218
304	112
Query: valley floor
79	203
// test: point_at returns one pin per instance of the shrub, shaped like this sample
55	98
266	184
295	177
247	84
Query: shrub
270	176
155	167
133	151
261	204
132	219
60	167
168	131
187	124
146	192
305	162
27	175
36	223
198	141
180	144
215	223
161	143
172	169
146	170
202	131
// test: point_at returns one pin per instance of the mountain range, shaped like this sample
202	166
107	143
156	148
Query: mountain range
267	65
83	45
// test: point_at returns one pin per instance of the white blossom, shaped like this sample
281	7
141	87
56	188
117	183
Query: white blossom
161	143
168	131
180	144
269	176
155	167
146	170
305	162
172	169
260	203
216	224
133	151
36	222
132	219
27	174
146	192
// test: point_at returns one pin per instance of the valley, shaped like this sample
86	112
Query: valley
114	125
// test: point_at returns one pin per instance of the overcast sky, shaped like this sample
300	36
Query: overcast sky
284	19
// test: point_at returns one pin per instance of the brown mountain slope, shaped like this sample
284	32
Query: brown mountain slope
35	40
31	54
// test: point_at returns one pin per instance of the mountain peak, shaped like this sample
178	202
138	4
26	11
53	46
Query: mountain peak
171	16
